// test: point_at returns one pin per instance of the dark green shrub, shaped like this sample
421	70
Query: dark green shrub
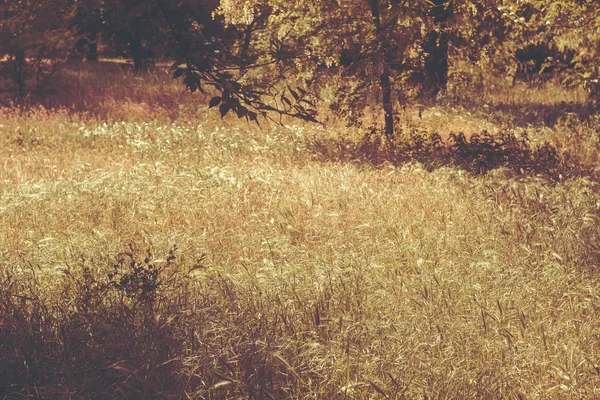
111	335
477	154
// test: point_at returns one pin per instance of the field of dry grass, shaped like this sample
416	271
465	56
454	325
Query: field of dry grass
152	250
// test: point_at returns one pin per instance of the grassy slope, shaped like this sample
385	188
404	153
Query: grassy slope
322	280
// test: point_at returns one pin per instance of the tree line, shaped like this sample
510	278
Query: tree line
271	57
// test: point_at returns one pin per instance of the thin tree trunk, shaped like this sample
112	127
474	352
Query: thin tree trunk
92	54
436	47
136	51
244	61
388	106
436	62
442	71
384	78
19	74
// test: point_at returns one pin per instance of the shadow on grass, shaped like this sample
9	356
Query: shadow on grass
103	338
109	90
477	155
531	113
137	327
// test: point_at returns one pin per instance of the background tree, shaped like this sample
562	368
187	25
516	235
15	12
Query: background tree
572	28
373	54
435	47
88	23
373	49
244	62
513	38
34	42
135	28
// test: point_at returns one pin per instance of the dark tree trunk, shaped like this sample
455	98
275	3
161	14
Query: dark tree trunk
136	51
436	62
244	61
19	74
92	54
375	14
388	106
384	78
436	48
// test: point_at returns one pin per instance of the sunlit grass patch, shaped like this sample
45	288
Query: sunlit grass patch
292	277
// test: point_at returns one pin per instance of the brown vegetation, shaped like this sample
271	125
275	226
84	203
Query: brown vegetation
150	249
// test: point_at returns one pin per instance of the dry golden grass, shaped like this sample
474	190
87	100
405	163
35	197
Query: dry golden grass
321	279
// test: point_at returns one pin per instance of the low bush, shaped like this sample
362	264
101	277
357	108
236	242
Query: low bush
115	335
477	154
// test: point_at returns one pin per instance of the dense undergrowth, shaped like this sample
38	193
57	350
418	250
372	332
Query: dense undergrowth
175	255
476	154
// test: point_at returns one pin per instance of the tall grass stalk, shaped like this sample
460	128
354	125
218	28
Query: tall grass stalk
191	257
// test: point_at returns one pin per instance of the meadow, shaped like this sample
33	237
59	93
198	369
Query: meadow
150	249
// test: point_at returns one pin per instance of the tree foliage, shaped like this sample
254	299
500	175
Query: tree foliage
87	22
571	26
536	36
272	57
242	63
134	27
381	51
373	49
34	41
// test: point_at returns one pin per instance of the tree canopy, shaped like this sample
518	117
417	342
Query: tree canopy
272	57
35	39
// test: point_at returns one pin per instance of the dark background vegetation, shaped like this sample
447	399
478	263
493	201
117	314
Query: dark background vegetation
263	58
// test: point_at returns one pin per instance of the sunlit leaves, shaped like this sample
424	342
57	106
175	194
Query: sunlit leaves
303	43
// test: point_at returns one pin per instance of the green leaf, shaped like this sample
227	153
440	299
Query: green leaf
252	116
263	106
294	94
214	101
192	82
305	117
224	109
241	111
178	73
